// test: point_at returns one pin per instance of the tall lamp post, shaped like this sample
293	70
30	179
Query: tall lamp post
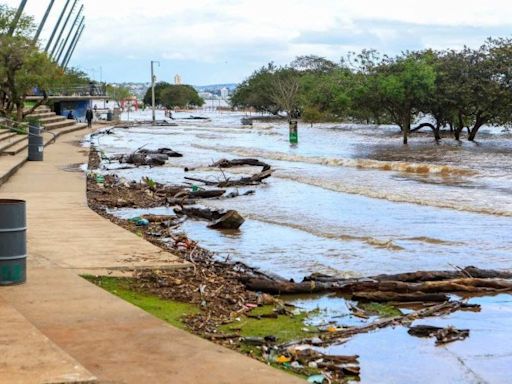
153	91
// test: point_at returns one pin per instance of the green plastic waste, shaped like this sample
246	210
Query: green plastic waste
195	188
100	179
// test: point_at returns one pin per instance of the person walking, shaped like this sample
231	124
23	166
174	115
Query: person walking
88	116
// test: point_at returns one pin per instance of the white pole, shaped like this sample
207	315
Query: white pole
153	91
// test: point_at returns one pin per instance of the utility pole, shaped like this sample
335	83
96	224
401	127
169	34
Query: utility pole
61	50
63	27
17	16
153	91
56	26
43	22
64	60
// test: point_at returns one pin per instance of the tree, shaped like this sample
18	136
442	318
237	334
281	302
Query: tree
477	86
118	93
23	67
401	87
254	92
174	95
158	90
180	95
284	92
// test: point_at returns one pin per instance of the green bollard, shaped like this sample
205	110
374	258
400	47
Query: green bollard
294	134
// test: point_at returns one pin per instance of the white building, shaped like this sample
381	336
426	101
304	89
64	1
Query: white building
177	79
224	93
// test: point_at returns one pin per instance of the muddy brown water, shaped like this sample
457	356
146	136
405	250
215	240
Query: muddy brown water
351	201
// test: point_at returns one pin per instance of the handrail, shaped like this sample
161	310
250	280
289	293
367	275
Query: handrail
15	129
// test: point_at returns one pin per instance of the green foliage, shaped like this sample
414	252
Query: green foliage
150	183
180	95
255	91
118	93
174	95
23	67
456	89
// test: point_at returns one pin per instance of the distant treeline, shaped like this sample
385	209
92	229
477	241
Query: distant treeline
450	89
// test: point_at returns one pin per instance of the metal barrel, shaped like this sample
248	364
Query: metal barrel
35	145
13	242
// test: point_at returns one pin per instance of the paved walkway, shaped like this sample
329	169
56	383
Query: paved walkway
110	338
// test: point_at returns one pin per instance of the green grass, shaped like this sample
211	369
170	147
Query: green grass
167	310
284	328
381	310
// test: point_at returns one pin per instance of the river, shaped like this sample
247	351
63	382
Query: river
349	200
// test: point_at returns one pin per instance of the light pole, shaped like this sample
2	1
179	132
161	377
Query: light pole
153	91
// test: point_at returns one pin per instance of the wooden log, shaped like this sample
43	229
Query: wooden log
224	163
277	287
158	218
423	330
200	213
204	181
230	220
446	275
207	194
162	151
257	178
399	297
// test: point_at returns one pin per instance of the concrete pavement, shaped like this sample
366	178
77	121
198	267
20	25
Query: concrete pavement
111	339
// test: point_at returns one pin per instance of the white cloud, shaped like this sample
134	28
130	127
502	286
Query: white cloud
203	38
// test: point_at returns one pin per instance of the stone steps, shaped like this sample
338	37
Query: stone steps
59	124
6	146
51	119
39	115
17	148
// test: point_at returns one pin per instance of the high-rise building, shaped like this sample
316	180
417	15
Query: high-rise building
177	79
224	93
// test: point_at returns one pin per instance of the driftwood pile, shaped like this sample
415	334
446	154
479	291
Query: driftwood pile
152	158
407	287
254	179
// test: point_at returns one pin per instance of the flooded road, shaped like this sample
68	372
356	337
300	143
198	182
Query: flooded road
352	201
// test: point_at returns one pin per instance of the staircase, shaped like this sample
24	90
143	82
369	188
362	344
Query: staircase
12	143
13	146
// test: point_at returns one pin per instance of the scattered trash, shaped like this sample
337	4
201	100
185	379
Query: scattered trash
442	335
283	359
316	379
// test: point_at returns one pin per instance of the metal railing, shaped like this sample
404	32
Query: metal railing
77	90
13	126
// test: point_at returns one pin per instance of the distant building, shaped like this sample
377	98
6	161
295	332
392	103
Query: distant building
177	80
224	93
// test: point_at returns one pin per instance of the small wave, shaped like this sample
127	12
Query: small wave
376	243
398	198
397	166
430	240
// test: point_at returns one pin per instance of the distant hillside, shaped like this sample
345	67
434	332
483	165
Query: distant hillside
215	87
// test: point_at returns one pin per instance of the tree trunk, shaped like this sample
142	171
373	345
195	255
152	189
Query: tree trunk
478	124
406	133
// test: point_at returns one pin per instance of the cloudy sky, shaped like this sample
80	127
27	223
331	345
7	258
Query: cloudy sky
220	41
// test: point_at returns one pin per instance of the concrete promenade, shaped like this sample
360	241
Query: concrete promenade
70	331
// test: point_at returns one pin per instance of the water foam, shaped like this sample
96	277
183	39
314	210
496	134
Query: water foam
397	166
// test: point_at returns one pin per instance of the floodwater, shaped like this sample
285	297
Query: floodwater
351	201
